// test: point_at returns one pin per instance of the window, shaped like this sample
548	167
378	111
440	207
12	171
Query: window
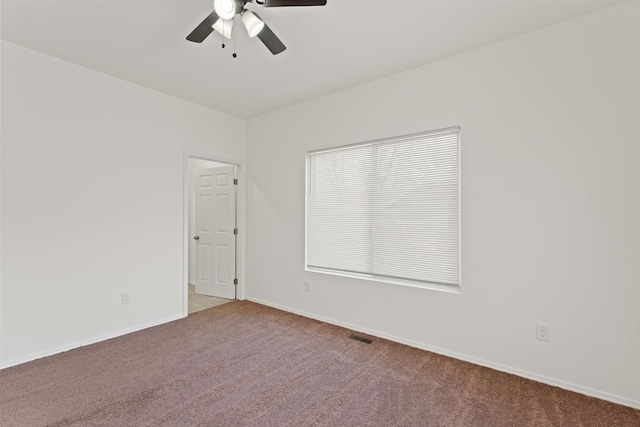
387	210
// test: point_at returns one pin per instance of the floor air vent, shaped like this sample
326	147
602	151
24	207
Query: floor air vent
361	339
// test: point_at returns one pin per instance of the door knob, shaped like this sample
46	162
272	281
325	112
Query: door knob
196	237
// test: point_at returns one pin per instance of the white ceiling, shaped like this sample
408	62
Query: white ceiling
346	43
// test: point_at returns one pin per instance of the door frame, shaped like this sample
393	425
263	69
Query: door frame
241	242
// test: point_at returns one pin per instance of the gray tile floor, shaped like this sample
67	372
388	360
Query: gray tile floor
201	302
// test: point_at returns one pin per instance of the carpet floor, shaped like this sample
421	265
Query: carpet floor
244	364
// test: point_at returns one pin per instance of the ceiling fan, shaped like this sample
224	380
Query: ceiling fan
221	20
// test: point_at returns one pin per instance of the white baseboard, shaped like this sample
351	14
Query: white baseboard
521	373
86	342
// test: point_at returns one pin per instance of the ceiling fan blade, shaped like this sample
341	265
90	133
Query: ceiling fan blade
270	40
279	3
204	29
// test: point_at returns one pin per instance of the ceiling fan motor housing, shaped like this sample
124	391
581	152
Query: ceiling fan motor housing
240	5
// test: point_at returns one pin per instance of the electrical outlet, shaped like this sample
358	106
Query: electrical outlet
306	286
543	332
126	297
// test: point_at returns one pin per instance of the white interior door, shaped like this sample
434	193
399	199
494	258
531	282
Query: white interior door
215	222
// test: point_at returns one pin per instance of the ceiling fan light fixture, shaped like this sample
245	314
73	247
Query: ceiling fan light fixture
252	23
224	27
225	9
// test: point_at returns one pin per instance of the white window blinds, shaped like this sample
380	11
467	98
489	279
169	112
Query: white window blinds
387	209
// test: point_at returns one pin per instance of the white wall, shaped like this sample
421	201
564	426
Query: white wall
550	204
92	201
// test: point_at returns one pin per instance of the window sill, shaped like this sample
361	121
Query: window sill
453	289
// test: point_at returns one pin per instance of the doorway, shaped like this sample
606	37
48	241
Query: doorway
211	216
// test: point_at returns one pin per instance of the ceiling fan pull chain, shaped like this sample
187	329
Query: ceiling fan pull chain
234	42
222	34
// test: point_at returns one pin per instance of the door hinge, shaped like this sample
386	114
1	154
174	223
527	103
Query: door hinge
235	231
235	181
235	281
